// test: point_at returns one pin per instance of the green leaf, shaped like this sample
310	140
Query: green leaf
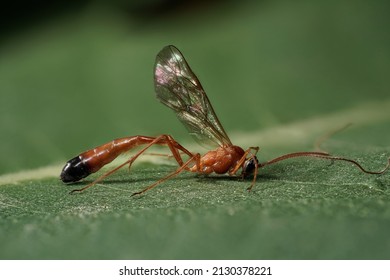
279	75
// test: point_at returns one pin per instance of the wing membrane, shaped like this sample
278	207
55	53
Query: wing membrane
178	88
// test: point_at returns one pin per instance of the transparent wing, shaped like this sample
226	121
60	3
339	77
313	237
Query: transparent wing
178	88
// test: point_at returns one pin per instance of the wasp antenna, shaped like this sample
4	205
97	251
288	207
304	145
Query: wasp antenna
325	156
294	155
323	138
361	167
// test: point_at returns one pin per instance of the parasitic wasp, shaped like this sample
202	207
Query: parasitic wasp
178	88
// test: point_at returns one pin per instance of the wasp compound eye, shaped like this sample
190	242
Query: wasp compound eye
249	166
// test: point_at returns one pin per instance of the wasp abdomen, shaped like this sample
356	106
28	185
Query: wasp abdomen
75	170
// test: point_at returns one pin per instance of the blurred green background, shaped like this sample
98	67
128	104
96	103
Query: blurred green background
76	75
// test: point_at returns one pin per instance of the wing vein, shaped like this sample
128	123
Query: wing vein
178	88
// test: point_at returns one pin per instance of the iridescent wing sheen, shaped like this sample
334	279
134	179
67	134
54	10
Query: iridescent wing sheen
178	88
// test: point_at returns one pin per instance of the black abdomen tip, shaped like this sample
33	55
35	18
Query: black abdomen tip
74	170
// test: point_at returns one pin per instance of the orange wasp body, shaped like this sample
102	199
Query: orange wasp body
178	88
